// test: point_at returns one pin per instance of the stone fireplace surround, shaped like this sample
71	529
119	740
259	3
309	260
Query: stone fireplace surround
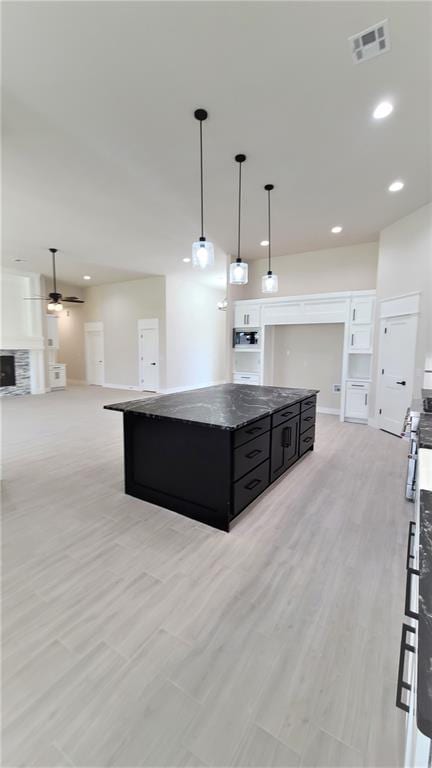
22	373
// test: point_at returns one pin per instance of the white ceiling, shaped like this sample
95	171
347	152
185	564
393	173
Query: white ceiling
100	154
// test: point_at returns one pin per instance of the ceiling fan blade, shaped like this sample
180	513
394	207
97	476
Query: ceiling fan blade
36	298
73	300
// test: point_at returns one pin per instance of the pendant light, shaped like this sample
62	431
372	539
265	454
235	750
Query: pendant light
202	250
269	282
239	268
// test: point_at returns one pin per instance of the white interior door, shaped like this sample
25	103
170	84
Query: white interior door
95	357
396	371
148	337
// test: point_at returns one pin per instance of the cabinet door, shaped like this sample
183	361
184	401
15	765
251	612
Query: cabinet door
356	405
362	310
52	332
360	338
247	316
284	447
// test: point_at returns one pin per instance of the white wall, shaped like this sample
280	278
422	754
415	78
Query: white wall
309	356
196	333
345	268
119	306
71	333
405	266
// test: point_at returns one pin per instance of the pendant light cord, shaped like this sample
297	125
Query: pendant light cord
269	233
202	181
239	214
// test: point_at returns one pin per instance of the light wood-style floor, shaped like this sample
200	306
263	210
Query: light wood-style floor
136	637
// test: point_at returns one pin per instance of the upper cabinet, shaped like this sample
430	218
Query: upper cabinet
247	315
361	338
362	309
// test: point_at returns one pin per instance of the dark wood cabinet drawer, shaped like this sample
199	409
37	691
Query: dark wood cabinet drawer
309	403
306	440
255	429
285	413
249	487
307	419
252	453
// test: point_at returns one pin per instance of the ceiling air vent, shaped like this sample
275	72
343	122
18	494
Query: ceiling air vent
371	42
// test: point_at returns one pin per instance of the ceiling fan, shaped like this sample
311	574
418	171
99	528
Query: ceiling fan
55	298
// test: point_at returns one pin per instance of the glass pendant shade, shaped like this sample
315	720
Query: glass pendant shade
269	283
238	273
202	254
55	306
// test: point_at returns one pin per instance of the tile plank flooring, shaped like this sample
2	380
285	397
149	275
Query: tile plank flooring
133	636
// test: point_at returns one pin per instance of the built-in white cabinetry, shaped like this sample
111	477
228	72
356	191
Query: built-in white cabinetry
247	315
52	332
362	310
355	310
360	338
357	400
57	375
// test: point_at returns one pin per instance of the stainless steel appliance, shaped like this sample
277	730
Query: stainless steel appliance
245	338
410	433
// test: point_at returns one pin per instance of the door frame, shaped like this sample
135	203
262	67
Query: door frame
145	324
404	305
90	327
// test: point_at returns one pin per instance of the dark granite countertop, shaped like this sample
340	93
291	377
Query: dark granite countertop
424	669
427	400
425	430
227	406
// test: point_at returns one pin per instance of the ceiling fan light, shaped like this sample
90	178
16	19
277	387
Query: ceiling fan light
238	273
269	283
202	254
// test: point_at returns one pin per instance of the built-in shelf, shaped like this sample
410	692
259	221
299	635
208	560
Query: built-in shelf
247	349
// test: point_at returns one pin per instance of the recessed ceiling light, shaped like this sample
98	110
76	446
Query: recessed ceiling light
86	277
396	186
336	230
264	242
186	259
383	109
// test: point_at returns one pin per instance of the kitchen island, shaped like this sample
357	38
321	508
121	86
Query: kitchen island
208	453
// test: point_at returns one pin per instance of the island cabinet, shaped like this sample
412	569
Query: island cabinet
209	458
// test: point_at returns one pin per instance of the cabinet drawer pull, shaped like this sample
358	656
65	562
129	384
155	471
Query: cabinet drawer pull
253	453
411	535
252	484
366	398
308	418
408	610
307	439
253	430
286	441
401	684
352	339
354	314
287	413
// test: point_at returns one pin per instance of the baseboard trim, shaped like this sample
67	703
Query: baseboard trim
81	382
331	411
173	390
130	387
372	422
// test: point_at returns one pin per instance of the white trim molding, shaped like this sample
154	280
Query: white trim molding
406	304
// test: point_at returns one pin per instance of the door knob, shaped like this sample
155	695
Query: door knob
401	382
152	363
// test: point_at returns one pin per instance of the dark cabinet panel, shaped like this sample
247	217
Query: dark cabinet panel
308	403
306	440
307	419
286	413
249	455
250	431
284	447
249	487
